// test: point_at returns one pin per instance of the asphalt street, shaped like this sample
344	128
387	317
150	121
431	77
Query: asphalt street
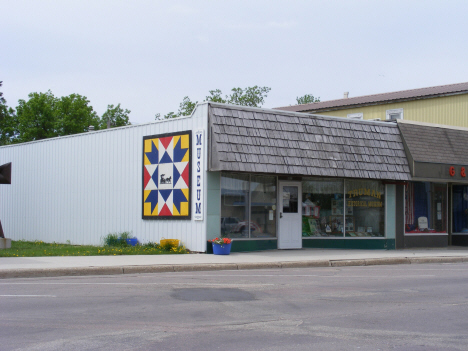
394	307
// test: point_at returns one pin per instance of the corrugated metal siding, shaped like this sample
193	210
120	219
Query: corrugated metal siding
449	110
83	187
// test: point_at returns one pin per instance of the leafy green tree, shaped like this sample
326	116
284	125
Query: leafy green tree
8	122
46	116
74	115
37	118
306	99
215	96
115	117
186	108
250	96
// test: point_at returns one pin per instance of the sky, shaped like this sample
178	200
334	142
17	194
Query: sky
148	55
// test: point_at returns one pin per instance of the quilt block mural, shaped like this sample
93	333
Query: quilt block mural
167	176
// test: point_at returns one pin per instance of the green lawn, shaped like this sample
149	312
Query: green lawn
38	248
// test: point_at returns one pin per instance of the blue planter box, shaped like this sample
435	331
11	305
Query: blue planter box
132	241
224	249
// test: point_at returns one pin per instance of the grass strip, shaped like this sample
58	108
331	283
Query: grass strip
23	248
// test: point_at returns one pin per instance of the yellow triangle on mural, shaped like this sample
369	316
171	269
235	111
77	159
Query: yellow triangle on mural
184	209
175	139
155	212
185	141
147	209
186	192
146	194
146	161
186	157
174	211
148	143
156	143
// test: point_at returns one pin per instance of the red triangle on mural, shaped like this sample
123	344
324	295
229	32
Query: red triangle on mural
146	178
165	141
185	174
165	211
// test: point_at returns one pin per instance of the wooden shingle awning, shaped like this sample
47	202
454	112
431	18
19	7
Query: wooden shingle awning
258	140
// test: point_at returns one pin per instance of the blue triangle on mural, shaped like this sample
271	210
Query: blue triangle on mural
178	197
176	175
165	193
178	152
155	176
166	158
153	199
153	155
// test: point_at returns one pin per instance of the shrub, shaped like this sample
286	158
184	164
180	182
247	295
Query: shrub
117	239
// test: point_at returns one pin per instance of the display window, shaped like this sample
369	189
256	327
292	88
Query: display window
262	207
235	205
425	208
248	206
460	209
322	208
364	208
330	208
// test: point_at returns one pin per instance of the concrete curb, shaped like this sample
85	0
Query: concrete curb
114	270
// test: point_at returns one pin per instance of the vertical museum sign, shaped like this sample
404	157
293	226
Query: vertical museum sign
198	198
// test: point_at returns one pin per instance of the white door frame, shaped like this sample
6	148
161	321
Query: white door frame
289	224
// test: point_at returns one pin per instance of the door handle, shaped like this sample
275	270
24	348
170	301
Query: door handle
281	214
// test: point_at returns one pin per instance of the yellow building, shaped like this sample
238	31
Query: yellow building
444	104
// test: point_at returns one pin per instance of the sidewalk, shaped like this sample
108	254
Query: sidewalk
24	267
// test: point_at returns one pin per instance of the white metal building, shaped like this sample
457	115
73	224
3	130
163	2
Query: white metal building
80	188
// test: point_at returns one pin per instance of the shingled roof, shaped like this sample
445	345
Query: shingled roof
435	143
276	142
404	95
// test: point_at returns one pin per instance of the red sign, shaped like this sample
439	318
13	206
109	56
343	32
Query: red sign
462	171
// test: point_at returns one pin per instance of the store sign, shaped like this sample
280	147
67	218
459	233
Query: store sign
453	171
199	166
364	192
364	203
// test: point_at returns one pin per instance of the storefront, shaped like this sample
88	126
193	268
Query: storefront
268	179
436	200
289	181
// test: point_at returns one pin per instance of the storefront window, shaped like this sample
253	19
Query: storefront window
248	206
364	208
460	209
234	205
262	207
425	207
322	208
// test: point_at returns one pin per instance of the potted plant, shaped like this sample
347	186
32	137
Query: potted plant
221	246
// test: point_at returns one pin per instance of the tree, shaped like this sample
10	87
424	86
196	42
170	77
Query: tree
37	117
74	115
306	99
250	96
186	108
46	116
115	117
8	122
